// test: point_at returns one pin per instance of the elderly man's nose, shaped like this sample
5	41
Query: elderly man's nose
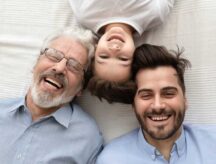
60	66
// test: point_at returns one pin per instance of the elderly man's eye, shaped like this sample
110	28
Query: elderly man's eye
53	57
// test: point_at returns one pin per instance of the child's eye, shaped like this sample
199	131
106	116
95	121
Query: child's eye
123	59
103	56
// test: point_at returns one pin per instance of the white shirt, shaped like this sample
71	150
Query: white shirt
140	14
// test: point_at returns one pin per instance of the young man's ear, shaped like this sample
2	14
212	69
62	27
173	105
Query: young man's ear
186	103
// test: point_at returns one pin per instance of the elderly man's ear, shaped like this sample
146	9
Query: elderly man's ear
79	93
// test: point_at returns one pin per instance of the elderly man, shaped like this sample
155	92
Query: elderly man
160	104
44	126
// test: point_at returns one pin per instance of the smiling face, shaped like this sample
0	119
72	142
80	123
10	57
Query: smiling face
159	103
114	54
53	83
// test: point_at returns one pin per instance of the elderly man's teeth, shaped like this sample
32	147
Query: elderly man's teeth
54	83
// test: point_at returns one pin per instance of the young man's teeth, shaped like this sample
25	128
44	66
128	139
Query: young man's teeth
159	118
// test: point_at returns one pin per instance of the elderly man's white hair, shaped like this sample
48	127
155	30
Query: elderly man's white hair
80	34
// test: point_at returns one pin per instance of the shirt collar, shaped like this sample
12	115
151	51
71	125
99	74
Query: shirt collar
179	145
63	115
17	104
145	146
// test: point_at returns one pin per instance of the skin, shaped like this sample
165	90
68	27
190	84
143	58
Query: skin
160	106
114	53
70	86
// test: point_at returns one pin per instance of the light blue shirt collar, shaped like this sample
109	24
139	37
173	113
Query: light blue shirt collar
16	106
62	115
179	146
25	141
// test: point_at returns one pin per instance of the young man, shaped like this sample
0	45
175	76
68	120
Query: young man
119	24
160	104
43	126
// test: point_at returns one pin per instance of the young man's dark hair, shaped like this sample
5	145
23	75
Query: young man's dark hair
152	56
160	104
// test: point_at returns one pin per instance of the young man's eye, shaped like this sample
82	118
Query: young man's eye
145	96
169	94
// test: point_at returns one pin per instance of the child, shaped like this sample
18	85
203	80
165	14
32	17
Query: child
117	23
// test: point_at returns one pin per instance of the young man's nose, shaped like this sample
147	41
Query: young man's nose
158	104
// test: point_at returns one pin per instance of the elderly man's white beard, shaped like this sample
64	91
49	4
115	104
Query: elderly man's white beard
46	100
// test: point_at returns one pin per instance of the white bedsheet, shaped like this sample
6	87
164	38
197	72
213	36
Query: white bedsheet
192	24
